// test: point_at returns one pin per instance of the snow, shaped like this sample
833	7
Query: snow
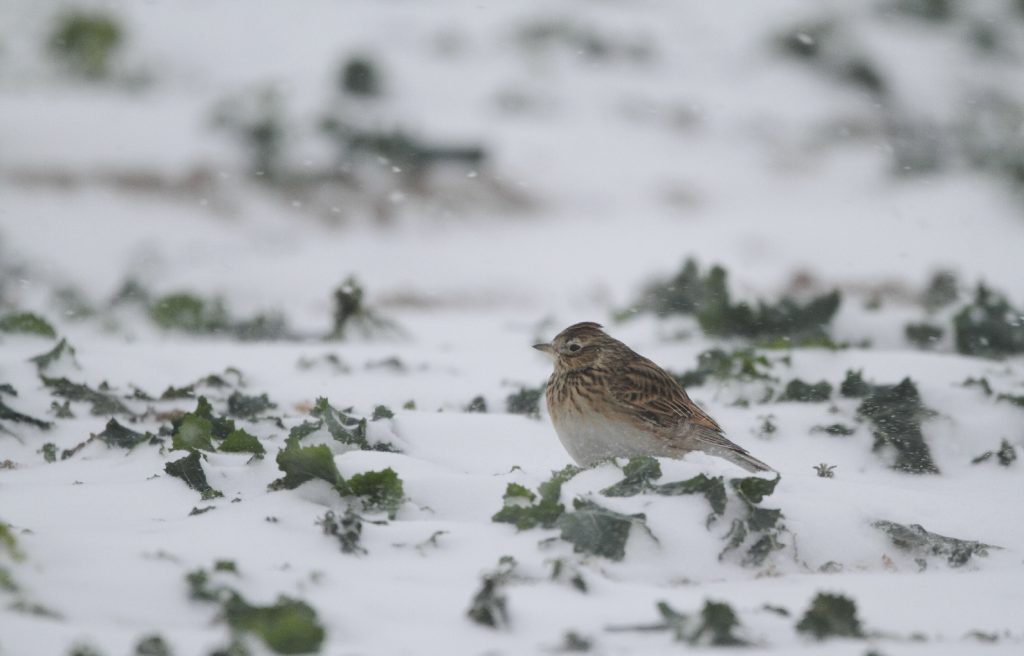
715	147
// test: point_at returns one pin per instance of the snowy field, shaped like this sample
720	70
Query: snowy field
270	274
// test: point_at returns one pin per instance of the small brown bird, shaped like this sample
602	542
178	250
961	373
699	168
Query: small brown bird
607	400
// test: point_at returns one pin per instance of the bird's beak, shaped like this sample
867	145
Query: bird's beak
547	348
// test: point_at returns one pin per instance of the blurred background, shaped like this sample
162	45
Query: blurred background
273	161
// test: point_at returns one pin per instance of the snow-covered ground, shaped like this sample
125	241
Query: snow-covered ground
620	139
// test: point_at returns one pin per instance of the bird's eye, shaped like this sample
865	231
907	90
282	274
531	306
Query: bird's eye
574	347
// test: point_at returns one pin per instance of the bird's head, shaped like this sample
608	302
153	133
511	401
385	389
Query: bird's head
577	346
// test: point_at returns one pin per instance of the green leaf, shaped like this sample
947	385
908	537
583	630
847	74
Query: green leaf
380	491
798	390
248	407
26	323
916	540
289	626
490	605
525	402
712	488
190	470
102	402
596	530
543	513
62	350
831	616
896	412
718	623
348	530
382	412
305	463
8	413
754	489
240	441
194	432
343	428
116	435
989	326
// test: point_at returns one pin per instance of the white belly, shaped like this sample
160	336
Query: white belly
590	438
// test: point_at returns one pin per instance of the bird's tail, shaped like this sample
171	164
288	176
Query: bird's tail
716	444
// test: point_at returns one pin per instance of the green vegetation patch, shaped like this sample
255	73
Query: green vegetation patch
375	491
489	606
1006	455
85	42
923	335
379	491
758	533
289	626
922	543
239	441
249	407
895	412
798	390
103	402
989	326
62	351
740	364
118	436
7	413
716	625
352	313
27	323
527	510
189	313
707	297
641	472
203	430
348	529
190	470
342	427
831	616
593	529
836	430
525	402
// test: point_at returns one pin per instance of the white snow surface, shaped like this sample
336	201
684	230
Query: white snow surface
714	146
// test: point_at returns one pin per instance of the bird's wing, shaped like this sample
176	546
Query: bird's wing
642	389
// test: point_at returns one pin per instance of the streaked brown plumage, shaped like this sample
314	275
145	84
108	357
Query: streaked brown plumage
606	400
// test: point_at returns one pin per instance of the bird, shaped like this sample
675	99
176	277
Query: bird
606	400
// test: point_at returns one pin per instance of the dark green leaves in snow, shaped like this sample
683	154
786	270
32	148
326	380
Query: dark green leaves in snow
102	400
597	530
707	297
289	626
716	625
26	323
895	412
831	616
798	390
249	407
524	509
921	543
190	470
114	435
189	313
8	413
201	427
376	491
760	528
989	326
642	471
589	527
348	530
525	402
490	605
1005	456
63	350
739	364
343	427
